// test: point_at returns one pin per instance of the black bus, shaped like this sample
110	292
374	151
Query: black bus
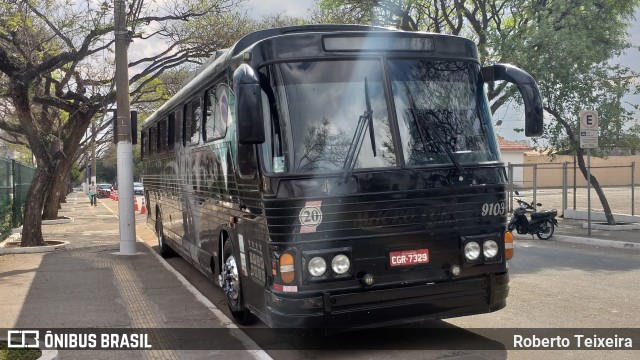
338	175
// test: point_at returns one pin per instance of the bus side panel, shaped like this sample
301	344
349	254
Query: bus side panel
220	205
251	232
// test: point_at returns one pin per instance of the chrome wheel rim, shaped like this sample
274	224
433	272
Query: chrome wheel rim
160	237
231	278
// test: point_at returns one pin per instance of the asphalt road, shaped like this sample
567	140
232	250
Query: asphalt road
553	285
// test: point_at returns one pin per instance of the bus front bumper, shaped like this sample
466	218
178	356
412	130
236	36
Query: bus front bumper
389	306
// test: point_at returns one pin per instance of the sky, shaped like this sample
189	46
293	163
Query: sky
294	8
512	118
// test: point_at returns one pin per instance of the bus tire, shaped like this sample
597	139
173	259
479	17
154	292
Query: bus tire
165	250
232	286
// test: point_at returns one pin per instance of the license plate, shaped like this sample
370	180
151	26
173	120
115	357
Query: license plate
409	257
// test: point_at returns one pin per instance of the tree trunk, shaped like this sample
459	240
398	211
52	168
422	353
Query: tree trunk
65	190
596	187
32	226
57	190
52	201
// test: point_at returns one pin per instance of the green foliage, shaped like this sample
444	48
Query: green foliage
76	174
22	153
18	354
6	213
567	49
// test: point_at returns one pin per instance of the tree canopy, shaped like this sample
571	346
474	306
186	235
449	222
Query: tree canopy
56	65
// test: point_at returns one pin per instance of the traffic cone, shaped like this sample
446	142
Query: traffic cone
116	196
135	203
143	209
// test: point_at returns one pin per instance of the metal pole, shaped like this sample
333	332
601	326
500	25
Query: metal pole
535	185
94	168
589	191
123	134
510	167
574	182
14	202
565	185
633	188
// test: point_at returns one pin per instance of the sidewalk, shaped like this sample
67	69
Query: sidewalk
87	286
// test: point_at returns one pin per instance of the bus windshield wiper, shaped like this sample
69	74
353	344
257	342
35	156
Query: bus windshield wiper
433	131
358	136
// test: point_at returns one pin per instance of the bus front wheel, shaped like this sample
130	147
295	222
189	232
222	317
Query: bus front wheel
232	286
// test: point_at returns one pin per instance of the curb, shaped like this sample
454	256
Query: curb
49	355
597	242
29	250
57	221
597	226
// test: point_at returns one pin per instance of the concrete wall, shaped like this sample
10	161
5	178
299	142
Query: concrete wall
514	157
611	171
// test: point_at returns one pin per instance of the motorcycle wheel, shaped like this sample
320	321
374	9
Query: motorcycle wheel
546	230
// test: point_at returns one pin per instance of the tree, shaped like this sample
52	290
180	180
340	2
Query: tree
56	62
565	45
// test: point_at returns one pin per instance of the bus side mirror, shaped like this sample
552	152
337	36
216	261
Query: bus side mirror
250	124
529	90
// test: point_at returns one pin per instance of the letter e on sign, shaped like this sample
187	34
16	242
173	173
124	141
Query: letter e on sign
588	119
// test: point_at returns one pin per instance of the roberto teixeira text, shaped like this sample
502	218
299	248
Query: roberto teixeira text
577	341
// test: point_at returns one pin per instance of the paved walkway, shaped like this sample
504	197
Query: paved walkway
86	285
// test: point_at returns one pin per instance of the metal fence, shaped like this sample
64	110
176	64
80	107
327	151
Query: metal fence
15	179
563	186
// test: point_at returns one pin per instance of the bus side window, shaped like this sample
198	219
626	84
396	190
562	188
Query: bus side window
178	131
223	111
153	139
143	144
171	131
162	135
186	124
196	120
210	110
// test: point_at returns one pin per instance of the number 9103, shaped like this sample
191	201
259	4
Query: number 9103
493	209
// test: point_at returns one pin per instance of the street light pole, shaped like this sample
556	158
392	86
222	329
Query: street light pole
123	135
94	167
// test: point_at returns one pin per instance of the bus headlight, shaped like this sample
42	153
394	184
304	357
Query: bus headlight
317	266
340	264
472	250
490	249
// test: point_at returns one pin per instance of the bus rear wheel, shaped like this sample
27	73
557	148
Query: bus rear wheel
232	286
165	250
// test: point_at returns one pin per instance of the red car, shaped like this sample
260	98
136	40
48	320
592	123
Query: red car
104	190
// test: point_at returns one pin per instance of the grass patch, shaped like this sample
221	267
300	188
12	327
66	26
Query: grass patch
18	354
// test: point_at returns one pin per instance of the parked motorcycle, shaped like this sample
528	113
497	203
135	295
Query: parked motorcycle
542	223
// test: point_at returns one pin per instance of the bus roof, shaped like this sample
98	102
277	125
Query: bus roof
222	57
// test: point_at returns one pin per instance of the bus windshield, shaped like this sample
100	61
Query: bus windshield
316	107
